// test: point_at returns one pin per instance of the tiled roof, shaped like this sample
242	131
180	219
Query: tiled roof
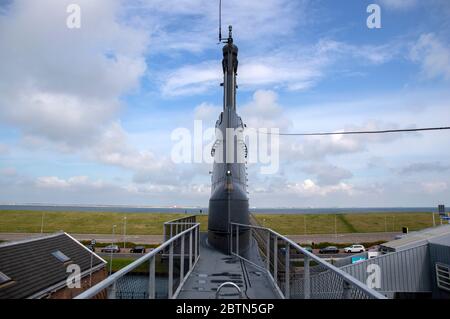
33	268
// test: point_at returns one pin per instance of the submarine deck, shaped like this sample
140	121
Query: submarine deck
214	268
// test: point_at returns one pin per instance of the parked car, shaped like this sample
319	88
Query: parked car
355	249
111	249
138	250
329	250
308	248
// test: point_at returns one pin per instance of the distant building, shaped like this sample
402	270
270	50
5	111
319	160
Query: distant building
418	238
38	268
415	266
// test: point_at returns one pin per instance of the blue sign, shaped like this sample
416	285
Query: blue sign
357	259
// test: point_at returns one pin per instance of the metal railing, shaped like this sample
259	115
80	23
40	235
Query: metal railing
296	272
175	226
175	260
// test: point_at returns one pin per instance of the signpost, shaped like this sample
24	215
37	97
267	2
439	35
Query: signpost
443	214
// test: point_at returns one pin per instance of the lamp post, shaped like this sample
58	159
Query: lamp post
42	223
111	251
335	225
385	224
304	223
124	231
93	242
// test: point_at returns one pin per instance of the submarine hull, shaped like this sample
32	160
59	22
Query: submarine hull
221	211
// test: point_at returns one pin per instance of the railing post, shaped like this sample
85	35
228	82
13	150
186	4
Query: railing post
112	290
151	279
190	249
268	251
170	288
176	229
287	276
171	230
237	240
307	278
346	294
196	242
164	231
182	259
275	260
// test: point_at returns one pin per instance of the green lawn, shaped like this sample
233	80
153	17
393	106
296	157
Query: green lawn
85	222
151	223
119	263
346	223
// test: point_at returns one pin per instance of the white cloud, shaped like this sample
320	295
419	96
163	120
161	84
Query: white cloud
4	149
191	25
61	84
434	187
399	4
309	188
328	174
263	111
433	56
294	68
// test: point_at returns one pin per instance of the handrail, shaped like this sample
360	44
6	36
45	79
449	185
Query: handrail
347	277
228	283
176	220
91	292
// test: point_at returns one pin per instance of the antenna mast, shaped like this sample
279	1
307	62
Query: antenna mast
220	21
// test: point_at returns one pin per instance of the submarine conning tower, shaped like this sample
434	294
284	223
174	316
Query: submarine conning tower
229	202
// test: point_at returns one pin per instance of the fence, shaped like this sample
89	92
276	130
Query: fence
174	227
295	272
158	274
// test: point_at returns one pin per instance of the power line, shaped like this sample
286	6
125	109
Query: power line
364	132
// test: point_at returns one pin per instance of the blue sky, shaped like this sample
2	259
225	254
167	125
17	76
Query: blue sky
86	115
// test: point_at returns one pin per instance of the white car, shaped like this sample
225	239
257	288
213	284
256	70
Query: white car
355	249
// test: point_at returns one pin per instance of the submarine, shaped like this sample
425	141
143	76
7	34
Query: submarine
229	201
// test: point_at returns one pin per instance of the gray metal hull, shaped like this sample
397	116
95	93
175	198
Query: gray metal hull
229	202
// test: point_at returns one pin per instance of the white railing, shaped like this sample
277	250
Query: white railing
175	226
296	272
182	249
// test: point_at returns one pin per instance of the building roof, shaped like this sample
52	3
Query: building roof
435	234
38	266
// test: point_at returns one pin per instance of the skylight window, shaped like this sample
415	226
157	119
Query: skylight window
60	256
4	279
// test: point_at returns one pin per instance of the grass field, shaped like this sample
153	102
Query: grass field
119	263
151	224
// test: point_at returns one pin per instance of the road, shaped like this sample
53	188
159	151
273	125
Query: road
157	239
353	238
100	238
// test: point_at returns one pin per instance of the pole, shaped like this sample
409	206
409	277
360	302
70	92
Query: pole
111	251
42	223
124	231
434	221
385	224
90	273
335	225
304	222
